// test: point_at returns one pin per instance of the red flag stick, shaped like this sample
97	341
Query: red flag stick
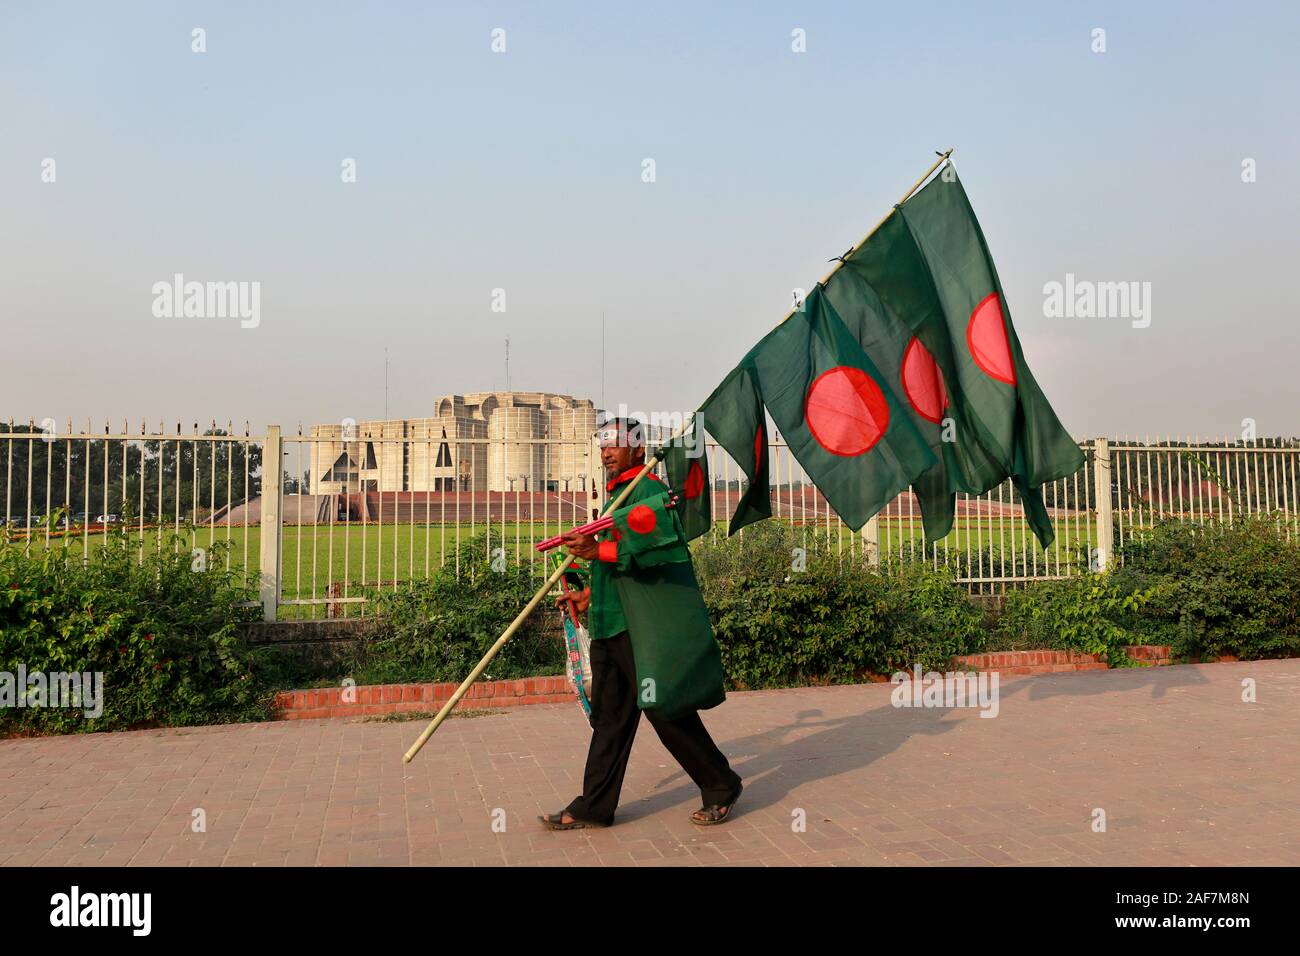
600	524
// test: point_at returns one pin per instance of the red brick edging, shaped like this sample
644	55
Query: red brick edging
1052	662
406	698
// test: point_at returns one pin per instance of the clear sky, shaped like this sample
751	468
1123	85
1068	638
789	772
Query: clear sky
522	171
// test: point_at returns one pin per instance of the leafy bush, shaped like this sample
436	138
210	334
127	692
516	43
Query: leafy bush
167	639
1205	589
833	621
787	606
1089	613
763	551
438	629
1217	589
934	617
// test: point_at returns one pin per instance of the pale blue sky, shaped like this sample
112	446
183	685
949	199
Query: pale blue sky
522	171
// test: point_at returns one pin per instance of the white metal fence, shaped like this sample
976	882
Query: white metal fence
318	554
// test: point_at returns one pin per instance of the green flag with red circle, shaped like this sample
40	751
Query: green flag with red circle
904	370
904	360
839	414
645	525
929	266
734	416
1003	400
687	465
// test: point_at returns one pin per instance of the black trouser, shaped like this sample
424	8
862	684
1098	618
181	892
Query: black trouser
615	716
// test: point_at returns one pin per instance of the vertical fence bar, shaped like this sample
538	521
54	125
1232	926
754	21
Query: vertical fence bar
399	448
144	478
85	505
871	541
31	455
248	453
1001	570
331	609
297	517
313	463
430	481
162	464
272	497
379	518
230	485
1105	529
67	495
9	475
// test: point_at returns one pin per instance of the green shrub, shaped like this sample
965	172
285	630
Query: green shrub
439	629
167	639
1205	589
832	622
1088	613
933	619
1217	589
788	607
764	551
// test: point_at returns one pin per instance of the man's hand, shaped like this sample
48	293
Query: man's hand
581	545
581	600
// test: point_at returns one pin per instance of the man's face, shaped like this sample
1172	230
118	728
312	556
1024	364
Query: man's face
619	458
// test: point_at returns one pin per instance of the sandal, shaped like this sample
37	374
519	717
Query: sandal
717	813
555	821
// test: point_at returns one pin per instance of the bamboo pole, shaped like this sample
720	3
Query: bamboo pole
613	506
487	658
884	219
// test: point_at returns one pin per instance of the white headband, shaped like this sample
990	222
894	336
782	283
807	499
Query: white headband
614	436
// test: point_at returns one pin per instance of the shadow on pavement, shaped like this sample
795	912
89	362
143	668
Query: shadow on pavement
812	748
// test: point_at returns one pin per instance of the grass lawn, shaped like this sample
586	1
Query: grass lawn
398	552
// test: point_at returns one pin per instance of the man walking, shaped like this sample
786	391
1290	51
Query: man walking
652	647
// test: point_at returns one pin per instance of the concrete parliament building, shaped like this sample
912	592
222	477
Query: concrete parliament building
480	441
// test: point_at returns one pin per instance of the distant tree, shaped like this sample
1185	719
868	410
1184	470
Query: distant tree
161	478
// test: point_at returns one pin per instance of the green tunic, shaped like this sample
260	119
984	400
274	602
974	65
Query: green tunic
644	583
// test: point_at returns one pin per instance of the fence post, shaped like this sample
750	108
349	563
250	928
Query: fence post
871	540
596	469
1102	494
272	498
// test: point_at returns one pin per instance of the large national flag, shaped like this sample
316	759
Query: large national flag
929	266
961	464
837	412
904	368
944	226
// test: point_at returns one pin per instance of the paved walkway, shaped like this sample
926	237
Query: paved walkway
1185	772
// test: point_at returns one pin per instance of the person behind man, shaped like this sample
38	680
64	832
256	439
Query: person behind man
652	647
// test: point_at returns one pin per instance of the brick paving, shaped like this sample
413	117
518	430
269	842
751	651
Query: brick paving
1185	771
